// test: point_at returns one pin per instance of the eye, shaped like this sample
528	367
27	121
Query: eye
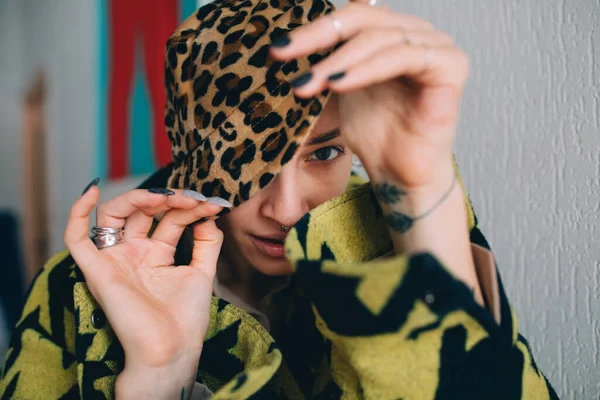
329	153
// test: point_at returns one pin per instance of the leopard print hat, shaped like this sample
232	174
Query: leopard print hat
231	116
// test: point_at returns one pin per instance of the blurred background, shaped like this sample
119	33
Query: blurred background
81	96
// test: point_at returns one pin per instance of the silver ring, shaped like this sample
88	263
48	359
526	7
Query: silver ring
337	25
284	228
107	237
103	231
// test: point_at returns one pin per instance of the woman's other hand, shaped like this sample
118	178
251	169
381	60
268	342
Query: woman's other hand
400	84
159	312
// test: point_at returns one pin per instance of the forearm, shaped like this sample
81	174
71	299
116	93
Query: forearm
430	219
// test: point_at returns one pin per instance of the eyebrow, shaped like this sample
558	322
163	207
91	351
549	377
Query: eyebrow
324	137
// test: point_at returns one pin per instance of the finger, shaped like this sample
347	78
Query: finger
76	236
364	46
139	223
113	213
172	225
207	246
441	66
353	19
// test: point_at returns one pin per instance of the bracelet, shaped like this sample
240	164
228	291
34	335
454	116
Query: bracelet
436	205
402	222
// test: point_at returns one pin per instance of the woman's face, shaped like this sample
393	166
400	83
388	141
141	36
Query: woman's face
319	171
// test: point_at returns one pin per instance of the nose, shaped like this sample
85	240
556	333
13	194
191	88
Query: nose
284	201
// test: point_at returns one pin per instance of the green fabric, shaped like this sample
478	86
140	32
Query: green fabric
352	328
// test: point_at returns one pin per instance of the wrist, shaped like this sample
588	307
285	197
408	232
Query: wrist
417	171
413	198
175	380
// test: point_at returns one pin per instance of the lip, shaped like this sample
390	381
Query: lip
267	246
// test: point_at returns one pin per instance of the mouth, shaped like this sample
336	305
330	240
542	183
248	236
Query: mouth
270	246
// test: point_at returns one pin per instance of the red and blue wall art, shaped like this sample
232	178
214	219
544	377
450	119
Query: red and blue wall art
131	135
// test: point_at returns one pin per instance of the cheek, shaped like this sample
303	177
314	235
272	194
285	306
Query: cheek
239	218
327	183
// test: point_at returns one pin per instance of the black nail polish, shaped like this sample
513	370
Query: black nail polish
161	191
89	186
337	76
302	80
281	41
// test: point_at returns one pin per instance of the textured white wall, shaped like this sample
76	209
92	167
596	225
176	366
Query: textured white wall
529	150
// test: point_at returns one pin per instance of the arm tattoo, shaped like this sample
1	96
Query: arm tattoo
399	222
390	195
182	395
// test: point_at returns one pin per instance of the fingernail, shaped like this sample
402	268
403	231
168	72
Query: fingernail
337	76
219	202
161	191
302	80
281	41
194	195
89	186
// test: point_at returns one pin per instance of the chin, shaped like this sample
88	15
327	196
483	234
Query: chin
272	267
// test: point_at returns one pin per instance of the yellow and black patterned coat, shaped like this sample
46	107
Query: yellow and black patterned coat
393	328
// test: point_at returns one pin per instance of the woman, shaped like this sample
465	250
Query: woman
268	120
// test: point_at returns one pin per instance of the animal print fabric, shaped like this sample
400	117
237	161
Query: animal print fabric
231	116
